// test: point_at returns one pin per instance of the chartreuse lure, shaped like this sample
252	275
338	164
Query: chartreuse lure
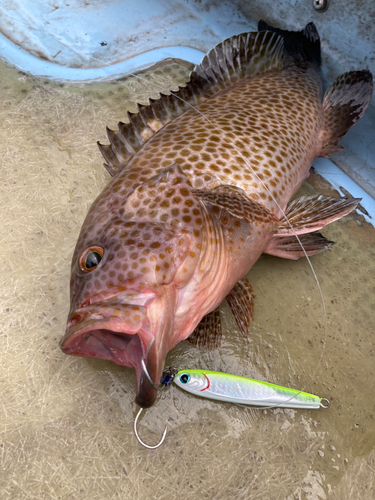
245	391
232	389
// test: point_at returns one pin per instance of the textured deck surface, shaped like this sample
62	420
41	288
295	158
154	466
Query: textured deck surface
66	423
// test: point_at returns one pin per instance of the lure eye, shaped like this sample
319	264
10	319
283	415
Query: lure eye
91	258
184	379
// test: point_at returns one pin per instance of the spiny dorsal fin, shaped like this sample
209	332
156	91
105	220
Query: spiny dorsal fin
144	124
235	58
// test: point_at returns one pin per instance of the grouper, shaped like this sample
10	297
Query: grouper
201	181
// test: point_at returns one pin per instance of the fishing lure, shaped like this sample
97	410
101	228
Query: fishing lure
232	389
245	391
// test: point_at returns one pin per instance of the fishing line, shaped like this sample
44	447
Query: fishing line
283	214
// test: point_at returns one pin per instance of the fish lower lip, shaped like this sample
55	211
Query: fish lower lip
121	348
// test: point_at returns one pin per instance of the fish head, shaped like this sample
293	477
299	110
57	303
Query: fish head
133	255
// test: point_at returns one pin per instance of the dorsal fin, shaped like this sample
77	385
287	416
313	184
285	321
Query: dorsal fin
233	59
238	57
303	46
144	124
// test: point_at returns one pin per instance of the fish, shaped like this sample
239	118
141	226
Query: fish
200	189
245	391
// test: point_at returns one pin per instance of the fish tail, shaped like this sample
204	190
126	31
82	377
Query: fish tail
344	104
303	46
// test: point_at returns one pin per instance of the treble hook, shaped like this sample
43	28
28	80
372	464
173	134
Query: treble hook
140	440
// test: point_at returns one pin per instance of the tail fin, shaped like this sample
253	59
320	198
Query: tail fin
303	46
345	102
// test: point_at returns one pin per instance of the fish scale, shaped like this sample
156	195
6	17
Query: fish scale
203	149
201	182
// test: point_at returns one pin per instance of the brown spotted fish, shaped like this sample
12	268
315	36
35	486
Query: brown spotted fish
200	187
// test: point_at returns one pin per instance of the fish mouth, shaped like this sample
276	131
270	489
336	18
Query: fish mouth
125	335
121	348
102	343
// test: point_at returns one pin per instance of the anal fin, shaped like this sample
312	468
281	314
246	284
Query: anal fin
241	302
208	333
288	247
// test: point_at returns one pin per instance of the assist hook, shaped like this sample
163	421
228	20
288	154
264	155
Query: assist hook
166	380
140	440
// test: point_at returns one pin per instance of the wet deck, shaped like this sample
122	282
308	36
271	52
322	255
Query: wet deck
66	424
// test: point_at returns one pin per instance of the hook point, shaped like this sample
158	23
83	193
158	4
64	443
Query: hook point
140	440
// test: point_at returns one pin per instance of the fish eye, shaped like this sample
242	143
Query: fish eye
184	379
91	258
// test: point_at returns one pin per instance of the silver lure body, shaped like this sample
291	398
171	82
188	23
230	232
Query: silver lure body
241	390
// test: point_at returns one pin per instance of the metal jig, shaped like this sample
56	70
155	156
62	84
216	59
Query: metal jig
140	440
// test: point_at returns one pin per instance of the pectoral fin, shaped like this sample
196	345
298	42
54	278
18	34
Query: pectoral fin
241	302
345	102
236	203
208	333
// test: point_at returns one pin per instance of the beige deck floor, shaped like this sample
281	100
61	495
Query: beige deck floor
66	423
